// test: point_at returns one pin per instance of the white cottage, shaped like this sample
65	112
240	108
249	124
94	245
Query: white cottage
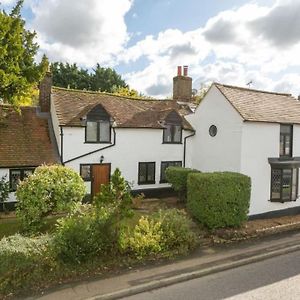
253	132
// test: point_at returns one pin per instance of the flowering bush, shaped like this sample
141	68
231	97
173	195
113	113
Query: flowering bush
50	189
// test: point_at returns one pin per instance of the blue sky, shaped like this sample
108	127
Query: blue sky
228	41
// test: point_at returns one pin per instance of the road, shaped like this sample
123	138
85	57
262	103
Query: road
275	278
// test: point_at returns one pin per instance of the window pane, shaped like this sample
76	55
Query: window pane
91	131
85	172
276	183
285	129
104	131
142	172
294	185
286	184
287	145
167	134
27	173
15	177
164	166
177	134
281	151
151	172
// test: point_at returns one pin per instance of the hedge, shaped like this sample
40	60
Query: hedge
219	200
177	176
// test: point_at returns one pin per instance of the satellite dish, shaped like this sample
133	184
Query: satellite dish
194	92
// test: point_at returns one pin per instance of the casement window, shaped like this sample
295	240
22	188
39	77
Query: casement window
146	174
164	166
85	172
97	131
98	126
284	184
286	140
17	175
172	134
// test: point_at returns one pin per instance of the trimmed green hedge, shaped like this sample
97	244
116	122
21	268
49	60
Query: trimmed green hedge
219	200
178	176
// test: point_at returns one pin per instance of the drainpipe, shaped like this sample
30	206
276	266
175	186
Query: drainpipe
61	145
184	149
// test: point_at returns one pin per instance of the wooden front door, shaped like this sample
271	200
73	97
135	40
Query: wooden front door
100	175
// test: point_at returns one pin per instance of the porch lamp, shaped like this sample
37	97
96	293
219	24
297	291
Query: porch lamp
101	159
83	121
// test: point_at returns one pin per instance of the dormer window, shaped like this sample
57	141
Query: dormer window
172	133
172	129
98	128
286	140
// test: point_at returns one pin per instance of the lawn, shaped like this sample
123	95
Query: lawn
10	226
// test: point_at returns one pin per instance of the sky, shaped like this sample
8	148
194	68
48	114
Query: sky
227	41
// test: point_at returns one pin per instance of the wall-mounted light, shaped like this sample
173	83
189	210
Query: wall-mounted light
101	159
83	121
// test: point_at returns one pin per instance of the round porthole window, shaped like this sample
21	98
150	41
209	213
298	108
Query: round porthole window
213	130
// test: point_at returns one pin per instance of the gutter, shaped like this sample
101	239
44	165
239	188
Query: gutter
184	148
92	152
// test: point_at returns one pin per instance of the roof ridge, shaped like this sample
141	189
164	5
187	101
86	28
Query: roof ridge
251	90
108	94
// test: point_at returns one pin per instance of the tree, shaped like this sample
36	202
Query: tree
100	79
201	93
18	70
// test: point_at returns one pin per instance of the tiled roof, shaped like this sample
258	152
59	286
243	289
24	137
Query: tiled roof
71	105
262	106
24	138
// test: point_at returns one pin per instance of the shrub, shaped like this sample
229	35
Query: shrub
177	230
84	234
146	238
50	189
219	200
23	260
177	177
166	233
117	197
4	191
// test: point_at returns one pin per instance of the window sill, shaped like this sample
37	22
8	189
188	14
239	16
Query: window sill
97	142
282	201
177	143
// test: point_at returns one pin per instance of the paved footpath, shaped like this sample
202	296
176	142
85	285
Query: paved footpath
204	261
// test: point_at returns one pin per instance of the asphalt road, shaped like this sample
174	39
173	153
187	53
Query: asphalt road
275	278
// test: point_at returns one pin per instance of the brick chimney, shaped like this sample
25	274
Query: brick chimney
182	85
45	92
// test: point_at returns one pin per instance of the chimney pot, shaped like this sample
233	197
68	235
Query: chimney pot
185	70
179	71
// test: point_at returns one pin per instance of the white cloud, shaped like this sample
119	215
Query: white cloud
248	43
85	32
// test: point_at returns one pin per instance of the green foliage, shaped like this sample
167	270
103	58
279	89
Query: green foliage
18	70
146	238
101	79
50	189
117	196
177	230
166	233
177	176
219	200
23	260
84	234
4	189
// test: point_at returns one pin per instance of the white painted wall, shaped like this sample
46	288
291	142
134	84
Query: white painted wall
222	152
55	123
260	141
132	146
5	172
